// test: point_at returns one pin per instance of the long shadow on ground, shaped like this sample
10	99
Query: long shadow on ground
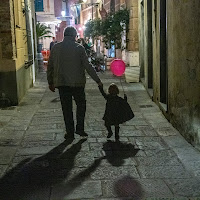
116	152
126	187
34	179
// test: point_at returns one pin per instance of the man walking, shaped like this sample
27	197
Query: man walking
66	71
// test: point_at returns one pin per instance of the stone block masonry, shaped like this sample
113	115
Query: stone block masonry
5	31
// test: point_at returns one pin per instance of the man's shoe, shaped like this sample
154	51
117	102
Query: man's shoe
116	137
69	136
83	134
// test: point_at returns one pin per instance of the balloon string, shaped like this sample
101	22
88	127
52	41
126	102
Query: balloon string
122	85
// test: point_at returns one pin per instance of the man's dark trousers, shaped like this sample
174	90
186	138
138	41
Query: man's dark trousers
66	94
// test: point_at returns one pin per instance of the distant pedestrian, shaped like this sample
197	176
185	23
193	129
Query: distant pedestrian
117	110
52	43
66	71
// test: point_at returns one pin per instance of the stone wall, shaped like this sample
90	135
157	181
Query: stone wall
133	36
14	78
5	31
133	25
8	87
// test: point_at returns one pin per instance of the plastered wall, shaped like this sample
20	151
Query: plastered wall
184	67
182	62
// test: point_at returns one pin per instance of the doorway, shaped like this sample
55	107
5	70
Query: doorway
163	54
150	46
142	49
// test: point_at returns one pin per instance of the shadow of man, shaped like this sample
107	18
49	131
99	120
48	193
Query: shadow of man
62	190
32	179
116	152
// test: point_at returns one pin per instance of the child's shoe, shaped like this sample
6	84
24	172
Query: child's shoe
110	134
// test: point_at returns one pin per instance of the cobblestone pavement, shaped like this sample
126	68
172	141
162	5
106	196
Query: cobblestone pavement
151	161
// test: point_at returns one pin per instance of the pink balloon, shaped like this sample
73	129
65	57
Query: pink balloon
117	67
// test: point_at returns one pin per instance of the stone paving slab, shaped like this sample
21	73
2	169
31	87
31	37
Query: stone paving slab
103	140
166	171
20	158
136	188
3	170
126	162
159	160
6	154
47	120
44	131
184	188
132	133
5	118
167	131
146	128
29	192
40	137
20	125
34	150
150	133
76	190
109	173
148	143
10	142
11	134
8	112
25	115
42	127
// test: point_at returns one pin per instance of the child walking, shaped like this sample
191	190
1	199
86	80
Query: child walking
117	110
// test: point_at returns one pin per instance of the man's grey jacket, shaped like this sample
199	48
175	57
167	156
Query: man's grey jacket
67	64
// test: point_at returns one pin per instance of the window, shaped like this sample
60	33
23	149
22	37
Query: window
39	6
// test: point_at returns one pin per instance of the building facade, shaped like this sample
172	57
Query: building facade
46	13
17	50
169	47
132	52
99	9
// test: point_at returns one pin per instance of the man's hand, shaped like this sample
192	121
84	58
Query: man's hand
52	88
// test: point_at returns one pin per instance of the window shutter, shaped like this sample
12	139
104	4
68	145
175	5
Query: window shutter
39	6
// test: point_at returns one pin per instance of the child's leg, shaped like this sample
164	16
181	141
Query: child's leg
110	133
117	132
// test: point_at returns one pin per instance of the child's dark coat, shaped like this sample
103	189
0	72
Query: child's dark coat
117	109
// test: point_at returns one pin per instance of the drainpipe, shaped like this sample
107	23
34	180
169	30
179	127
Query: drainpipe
67	13
30	41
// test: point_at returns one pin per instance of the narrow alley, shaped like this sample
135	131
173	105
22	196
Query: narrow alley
151	161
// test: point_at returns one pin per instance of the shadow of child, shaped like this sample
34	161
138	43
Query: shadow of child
116	152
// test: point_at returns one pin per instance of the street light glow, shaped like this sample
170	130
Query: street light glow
63	13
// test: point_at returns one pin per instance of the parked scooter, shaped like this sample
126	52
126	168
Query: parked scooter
98	62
